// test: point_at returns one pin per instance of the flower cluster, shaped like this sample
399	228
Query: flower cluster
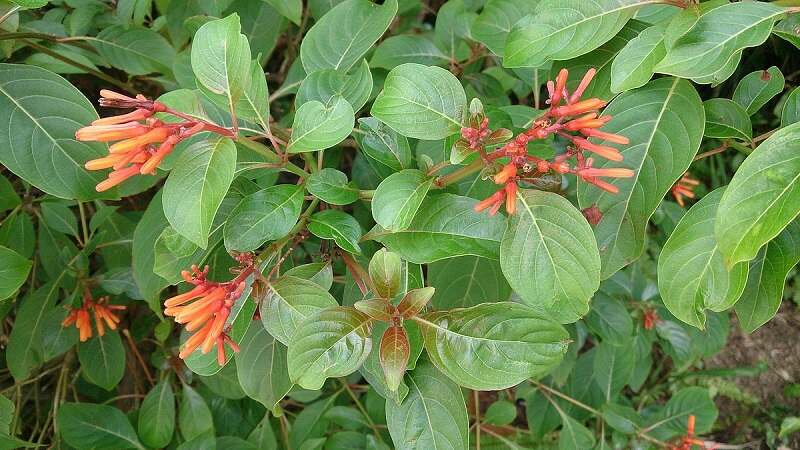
204	311
689	442
104	316
684	188
569	117
650	319
144	141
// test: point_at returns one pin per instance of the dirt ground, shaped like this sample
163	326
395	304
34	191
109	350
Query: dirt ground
778	345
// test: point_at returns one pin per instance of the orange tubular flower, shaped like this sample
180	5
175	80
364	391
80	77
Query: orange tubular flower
104	316
684	188
204	311
570	118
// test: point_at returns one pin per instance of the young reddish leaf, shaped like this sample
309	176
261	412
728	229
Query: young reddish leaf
376	308
414	301
394	353
385	270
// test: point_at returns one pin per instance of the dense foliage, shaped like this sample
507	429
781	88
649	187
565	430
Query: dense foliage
403	224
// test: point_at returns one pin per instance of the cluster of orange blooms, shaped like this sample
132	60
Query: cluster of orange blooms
104	316
144	141
568	117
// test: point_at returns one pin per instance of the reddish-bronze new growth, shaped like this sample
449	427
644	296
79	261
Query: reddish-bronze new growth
684	188
104	316
569	117
144	141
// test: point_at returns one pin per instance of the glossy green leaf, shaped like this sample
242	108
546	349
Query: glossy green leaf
325	84
196	187
263	216
318	126
613	367
727	119
717	37
497	19
664	122
397	50
86	425
385	271
386	151
135	49
261	367
467	281
39	119
672	420
757	88
59	217
310	424
549	257
692	276
291	9
564	29
103	360
609	319
221	58
445	226
790	113
762	198
787	29
433	414
14	271
194	416
621	418
331	186
24	350
9	199
333	342
253	104
147	231
765	284
635	64
337	225
157	416
343	35
494	345
288	302
319	272
263	437
421	102
398	199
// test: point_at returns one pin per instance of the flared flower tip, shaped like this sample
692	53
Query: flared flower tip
109	94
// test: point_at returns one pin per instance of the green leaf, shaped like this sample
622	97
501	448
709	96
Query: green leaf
613	367
221	58
253	104
790	113
757	88
372	371
397	50
765	284
331	186
574	435
386	151
445	226
343	35
262	216
692	276
289	301
14	271
147	231
398	199
609	319
501	412
787	29
318	126
394	353
86	425
684	20
565	29
339	226
788	426
452	27
157	416
103	360
39	119
717	37
9	199
762	198
196	186
549	256
421	102
194	417
673	419
726	119
319	272
494	345
24	351
135	49
664	122
310	423
635	64
333	342
291	9
325	84
262	436
467	281
261	367
385	271
621	418
433	414
59	217
497	19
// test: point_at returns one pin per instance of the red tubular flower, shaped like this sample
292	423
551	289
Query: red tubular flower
684	188
104	316
204	311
